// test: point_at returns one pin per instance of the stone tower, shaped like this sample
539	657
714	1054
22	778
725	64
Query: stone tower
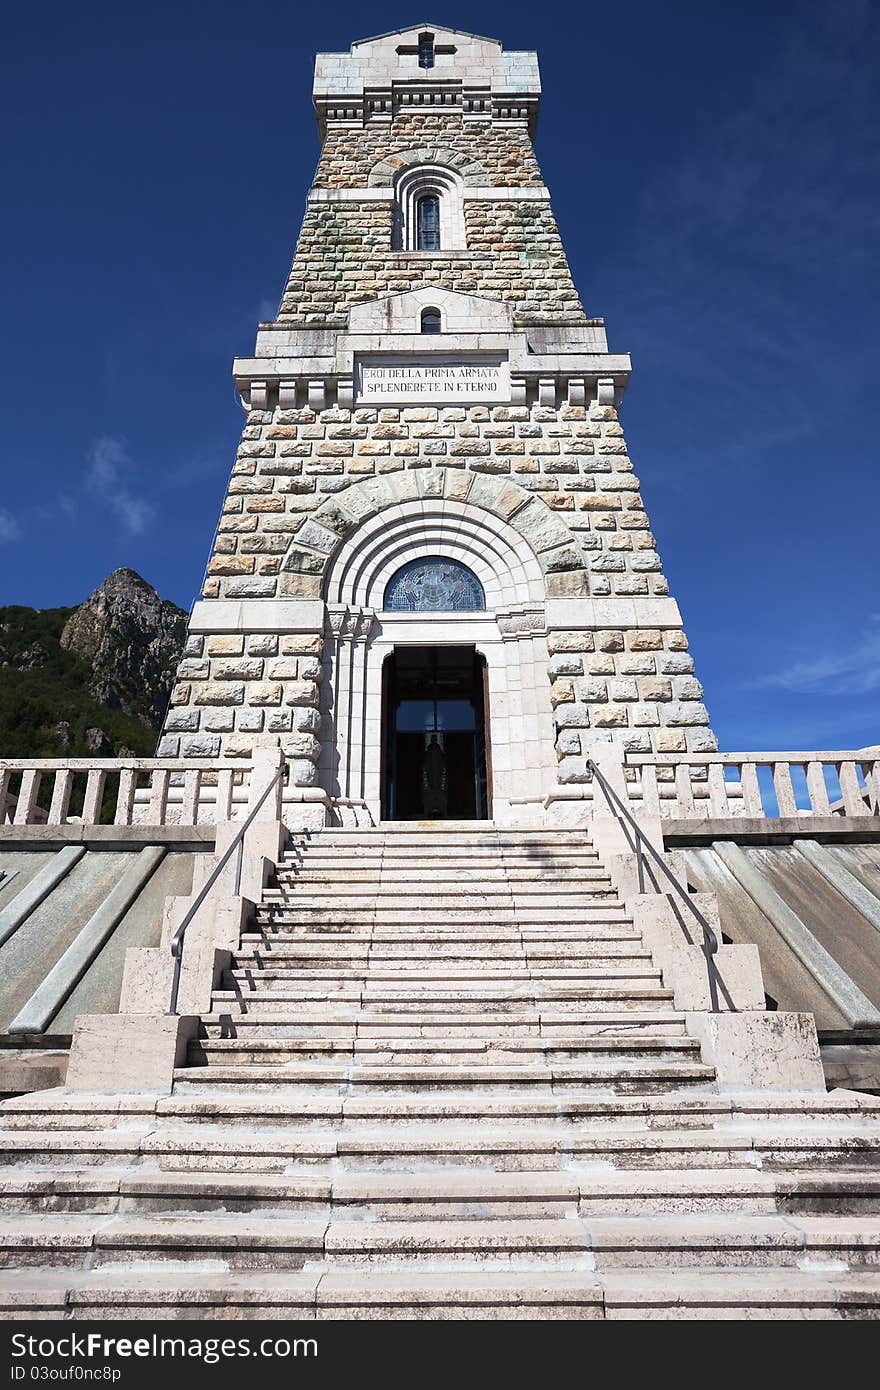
434	582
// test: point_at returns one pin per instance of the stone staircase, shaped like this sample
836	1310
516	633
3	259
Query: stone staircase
442	1078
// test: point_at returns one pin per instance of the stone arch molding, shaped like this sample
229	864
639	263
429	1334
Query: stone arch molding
520	550
384	173
447	186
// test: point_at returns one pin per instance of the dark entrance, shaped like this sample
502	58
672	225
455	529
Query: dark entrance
435	735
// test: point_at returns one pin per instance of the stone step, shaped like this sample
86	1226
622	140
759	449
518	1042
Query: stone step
468	867
201	1135
617	937
471	865
404	972
416	1293
618	1077
377	950
430	907
248	981
249	987
261	959
443	846
410	1052
463	1192
844	1119
410	883
357	1023
494	878
446	832
739	1293
435	997
434	911
577	1002
478	899
247	1241
398	850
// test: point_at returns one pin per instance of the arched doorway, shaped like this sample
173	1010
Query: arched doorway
436	755
435	572
435	763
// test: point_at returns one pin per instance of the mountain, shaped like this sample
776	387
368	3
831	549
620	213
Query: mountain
89	681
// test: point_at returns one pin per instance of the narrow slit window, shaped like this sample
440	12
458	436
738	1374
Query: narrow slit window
428	223
426	50
431	322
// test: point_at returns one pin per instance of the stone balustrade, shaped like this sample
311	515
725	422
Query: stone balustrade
675	786
717	786
120	791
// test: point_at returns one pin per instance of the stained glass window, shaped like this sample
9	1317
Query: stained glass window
434	585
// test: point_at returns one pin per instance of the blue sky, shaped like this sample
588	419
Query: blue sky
714	171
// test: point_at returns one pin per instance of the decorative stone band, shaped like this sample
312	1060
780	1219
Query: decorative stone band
264	385
257	615
593	614
486	193
450	99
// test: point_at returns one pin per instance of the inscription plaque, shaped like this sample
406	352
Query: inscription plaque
424	382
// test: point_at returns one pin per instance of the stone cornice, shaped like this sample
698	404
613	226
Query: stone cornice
330	367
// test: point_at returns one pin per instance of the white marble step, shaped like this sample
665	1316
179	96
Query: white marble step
425	1294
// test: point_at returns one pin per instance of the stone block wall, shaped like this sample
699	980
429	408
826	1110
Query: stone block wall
514	252
561	475
500	155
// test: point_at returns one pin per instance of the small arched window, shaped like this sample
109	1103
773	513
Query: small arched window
431	321
428	223
429	210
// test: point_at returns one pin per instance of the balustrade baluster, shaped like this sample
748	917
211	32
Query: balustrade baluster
782	783
61	789
753	802
818	789
719	803
27	796
854	800
650	794
125	796
684	792
223	808
158	805
91	811
189	809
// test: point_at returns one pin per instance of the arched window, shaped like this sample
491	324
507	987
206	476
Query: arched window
434	585
431	321
426	50
429	210
428	223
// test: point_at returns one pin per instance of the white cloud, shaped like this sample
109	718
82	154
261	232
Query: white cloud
853	670
10	530
110	465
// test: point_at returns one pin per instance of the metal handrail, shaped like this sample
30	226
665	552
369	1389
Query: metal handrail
236	843
710	940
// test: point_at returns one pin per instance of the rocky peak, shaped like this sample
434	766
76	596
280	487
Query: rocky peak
133	640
